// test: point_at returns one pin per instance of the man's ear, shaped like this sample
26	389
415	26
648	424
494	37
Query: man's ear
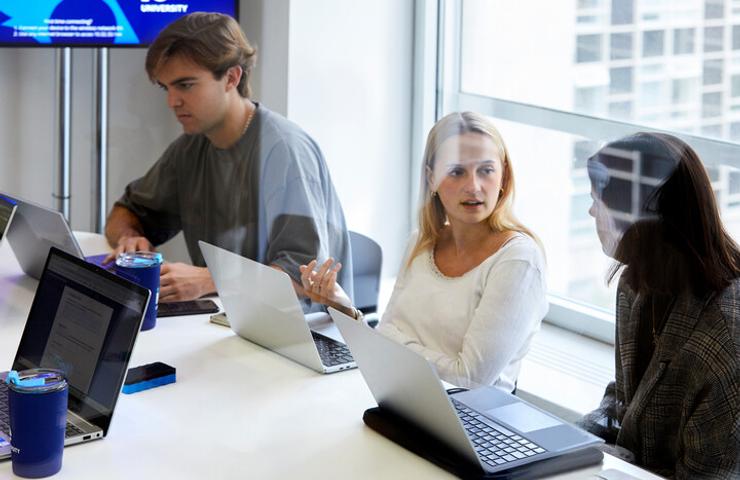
233	76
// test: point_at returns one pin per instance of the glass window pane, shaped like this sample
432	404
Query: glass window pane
714	8
735	86
652	43
713	173
736	37
713	131
588	48
712	72
589	99
713	39
582	150
620	80
734	184
553	201
622	12
735	134
620	46
580	203
683	41
579	64
684	90
711	104
653	94
559	65
620	110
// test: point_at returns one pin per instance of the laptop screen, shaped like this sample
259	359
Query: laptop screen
7	207
83	321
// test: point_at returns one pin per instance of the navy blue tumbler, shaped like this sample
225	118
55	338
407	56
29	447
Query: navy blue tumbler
142	268
37	400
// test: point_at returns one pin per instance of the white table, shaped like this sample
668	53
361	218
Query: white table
236	411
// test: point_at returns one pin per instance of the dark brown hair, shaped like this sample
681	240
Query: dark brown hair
211	40
678	241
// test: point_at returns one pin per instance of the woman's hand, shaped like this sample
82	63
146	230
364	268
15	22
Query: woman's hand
321	285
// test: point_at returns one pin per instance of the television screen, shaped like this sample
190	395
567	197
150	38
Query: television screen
95	23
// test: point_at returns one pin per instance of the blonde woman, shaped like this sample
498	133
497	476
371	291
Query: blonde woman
471	292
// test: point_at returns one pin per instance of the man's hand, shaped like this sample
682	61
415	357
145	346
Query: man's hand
129	244
179	281
124	233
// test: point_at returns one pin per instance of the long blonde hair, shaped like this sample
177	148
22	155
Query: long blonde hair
432	215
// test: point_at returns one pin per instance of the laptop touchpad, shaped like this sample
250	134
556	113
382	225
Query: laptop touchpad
522	417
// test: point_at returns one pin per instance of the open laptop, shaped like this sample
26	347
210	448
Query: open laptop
487	426
263	308
34	229
8	207
84	321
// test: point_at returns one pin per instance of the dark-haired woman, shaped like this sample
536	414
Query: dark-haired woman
674	407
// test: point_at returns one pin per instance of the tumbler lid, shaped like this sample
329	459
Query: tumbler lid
36	380
139	259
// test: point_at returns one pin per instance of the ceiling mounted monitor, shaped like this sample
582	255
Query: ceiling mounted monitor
95	23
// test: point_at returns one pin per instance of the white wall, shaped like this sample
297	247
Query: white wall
26	122
267	25
349	86
140	127
340	69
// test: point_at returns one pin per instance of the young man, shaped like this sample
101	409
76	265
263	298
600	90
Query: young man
241	176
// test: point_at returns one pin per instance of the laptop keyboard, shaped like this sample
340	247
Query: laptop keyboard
331	352
70	431
495	446
4	415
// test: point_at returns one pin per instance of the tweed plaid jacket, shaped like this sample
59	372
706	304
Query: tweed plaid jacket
682	418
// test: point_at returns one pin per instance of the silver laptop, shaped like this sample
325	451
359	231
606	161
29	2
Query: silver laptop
8	207
83	321
487	426
34	229
263	308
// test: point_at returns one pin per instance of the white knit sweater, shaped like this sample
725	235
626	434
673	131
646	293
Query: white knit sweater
476	328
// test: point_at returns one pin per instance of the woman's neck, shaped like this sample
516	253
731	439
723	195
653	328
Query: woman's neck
465	238
462	248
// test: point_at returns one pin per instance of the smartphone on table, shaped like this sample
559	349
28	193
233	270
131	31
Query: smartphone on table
189	307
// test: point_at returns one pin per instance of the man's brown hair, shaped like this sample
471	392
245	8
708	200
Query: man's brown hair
212	40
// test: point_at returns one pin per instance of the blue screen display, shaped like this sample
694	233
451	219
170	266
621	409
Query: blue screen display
95	23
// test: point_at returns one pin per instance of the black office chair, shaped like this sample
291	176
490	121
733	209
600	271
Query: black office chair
367	260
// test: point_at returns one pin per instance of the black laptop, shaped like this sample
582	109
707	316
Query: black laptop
84	321
488	432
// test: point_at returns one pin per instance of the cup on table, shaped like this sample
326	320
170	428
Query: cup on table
142	268
37	402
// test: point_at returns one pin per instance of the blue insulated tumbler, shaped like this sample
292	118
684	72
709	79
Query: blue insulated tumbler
143	268
37	400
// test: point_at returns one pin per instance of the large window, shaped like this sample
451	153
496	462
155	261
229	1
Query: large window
579	73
